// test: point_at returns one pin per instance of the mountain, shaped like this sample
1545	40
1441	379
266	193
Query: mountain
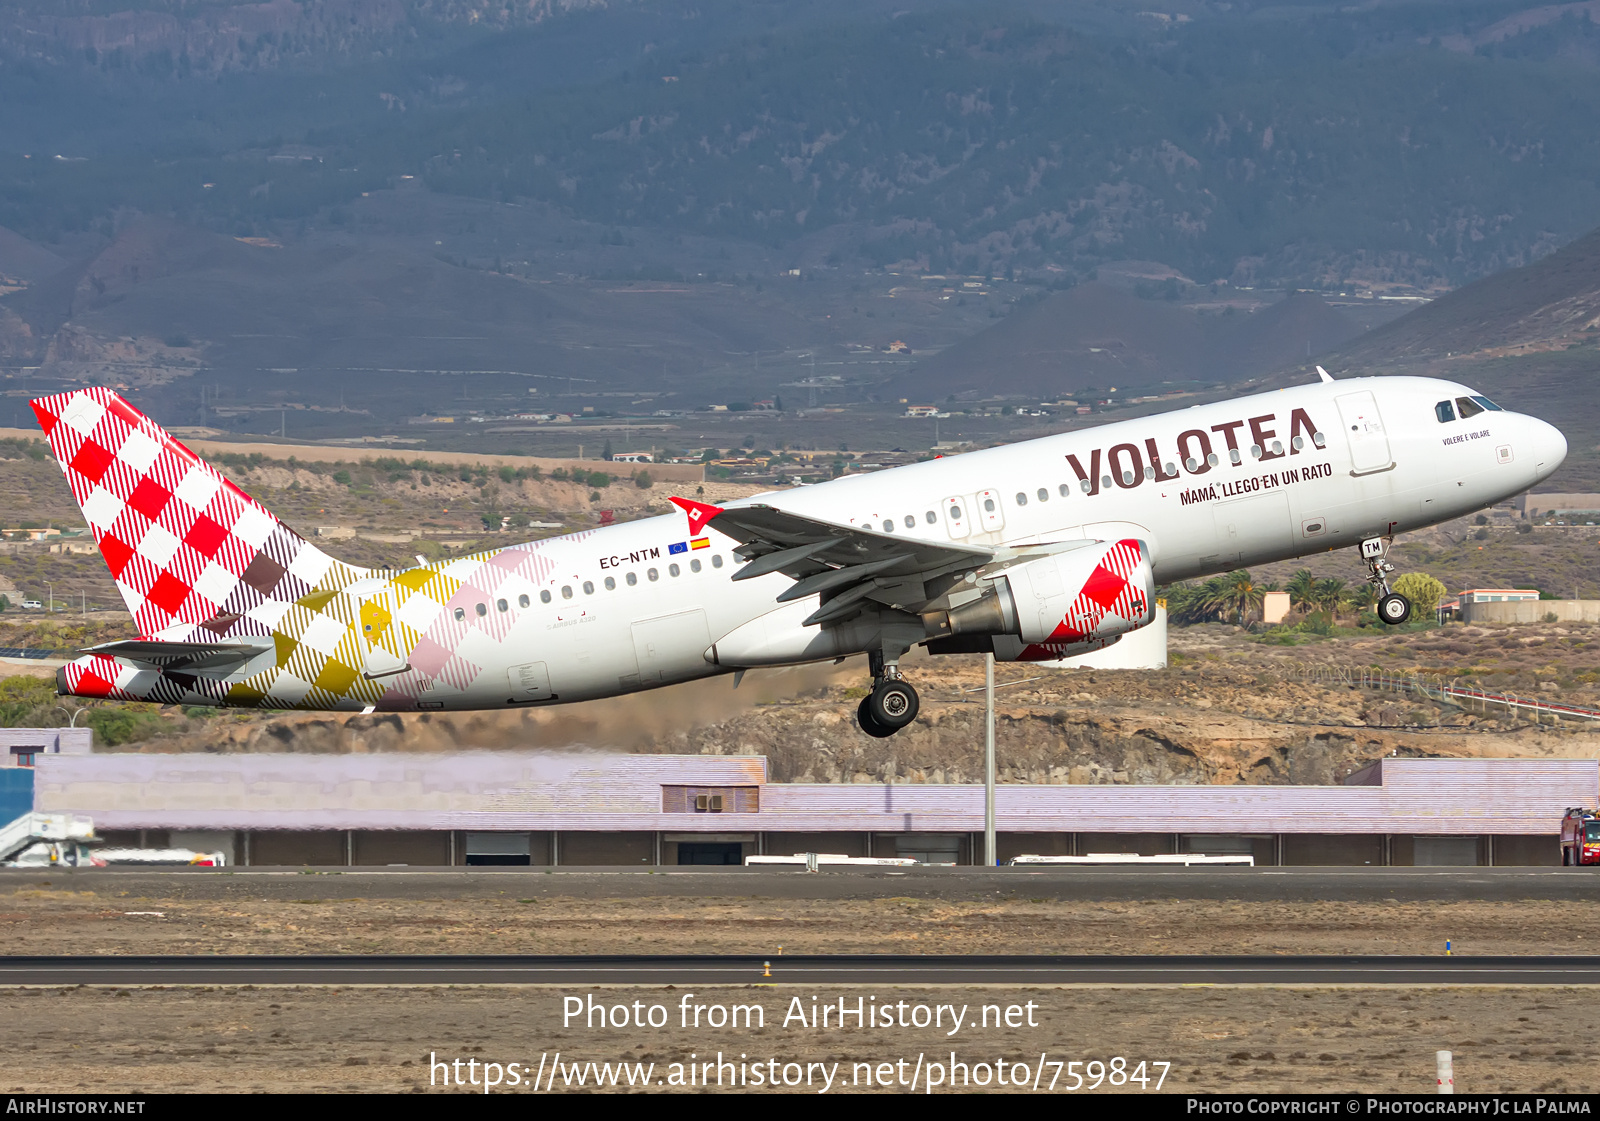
25	261
1307	144
1097	338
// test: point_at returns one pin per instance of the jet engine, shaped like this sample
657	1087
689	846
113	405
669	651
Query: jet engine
1066	603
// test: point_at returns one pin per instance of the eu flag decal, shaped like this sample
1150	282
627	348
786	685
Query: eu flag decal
677	547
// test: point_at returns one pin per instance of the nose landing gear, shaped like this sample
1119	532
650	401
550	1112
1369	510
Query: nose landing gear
891	705
1393	608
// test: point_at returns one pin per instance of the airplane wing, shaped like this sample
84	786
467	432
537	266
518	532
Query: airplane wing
850	567
183	657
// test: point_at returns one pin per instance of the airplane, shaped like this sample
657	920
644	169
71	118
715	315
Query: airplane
1032	551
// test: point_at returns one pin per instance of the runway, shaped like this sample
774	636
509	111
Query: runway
855	970
1119	884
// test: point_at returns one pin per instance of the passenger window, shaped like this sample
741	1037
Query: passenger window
955	513
653	574
611	583
502	606
1445	411
931	518
566	591
911	521
632	578
588	587
1044	494
544	595
1022	499
461	613
1468	407
716	561
524	601
694	564
482	609
988	505
1065	490
888	525
673	570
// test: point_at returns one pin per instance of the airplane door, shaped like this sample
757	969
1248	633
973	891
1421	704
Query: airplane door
669	643
381	656
990	516
1363	428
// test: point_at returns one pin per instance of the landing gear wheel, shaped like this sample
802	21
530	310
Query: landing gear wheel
892	704
1394	609
868	724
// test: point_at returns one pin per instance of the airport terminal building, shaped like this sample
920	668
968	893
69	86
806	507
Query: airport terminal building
588	809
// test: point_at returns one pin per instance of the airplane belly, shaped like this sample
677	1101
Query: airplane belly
671	647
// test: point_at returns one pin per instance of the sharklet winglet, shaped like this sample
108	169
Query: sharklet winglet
700	513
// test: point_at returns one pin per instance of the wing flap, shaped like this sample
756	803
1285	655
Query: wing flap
851	567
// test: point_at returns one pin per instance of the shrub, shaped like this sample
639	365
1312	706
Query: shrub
598	479
1422	590
643	480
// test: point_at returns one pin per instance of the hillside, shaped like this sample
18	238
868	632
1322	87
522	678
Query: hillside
373	329
1549	305
1286	144
1099	337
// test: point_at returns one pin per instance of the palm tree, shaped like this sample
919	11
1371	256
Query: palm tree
1302	589
1233	594
1329	595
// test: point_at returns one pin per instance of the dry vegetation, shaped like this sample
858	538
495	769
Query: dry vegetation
1230	1040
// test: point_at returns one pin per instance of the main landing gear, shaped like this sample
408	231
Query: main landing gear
891	705
1393	608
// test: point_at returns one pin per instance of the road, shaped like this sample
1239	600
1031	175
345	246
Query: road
885	969
1287	885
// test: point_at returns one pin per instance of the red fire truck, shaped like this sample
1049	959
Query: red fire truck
1580	837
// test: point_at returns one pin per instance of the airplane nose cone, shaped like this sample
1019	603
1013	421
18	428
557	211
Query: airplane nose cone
1549	448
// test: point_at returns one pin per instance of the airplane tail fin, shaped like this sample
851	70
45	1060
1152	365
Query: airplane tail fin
184	544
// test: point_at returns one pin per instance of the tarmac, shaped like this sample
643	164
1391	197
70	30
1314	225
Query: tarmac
877	969
1120	883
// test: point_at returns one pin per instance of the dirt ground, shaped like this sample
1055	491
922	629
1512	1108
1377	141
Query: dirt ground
306	1039
87	922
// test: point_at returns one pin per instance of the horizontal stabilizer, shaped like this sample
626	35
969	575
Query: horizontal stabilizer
185	657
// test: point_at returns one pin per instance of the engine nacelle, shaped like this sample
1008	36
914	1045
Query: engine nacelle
1076	601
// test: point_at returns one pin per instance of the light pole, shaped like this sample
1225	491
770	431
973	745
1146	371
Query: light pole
74	714
51	606
990	855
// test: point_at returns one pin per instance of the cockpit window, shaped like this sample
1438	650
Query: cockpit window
1445	411
1488	404
1468	407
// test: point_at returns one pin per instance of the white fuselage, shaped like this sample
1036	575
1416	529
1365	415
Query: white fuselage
1387	465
